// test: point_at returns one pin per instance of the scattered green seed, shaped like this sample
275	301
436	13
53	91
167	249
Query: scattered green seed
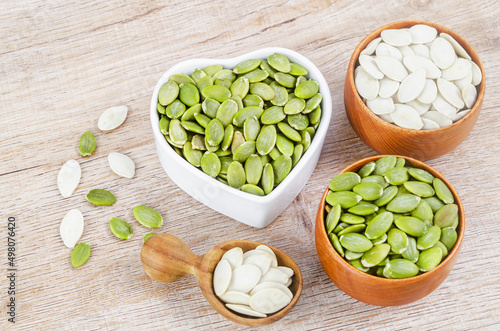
120	228
87	143
80	254
100	197
147	216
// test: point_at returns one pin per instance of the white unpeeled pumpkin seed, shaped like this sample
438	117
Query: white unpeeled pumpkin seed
366	85
458	48
121	164
262	261
387	118
278	286
442	53
269	300
406	50
429	92
234	256
450	93
458	70
461	83
461	114
477	76
68	178
368	63
112	118
388	87
235	298
429	124
287	271
412	86
415	62
274	262
245	310
420	107
222	277
391	67
422	34
384	49
244	278
274	275
443	106
396	37
71	228
438	118
371	47
421	50
469	94
406	117
381	105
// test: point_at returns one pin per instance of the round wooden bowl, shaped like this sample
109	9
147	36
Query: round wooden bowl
375	290
387	138
166	258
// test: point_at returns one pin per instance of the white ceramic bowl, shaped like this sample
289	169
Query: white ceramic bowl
244	207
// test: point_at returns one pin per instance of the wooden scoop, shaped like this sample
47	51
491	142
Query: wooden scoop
166	258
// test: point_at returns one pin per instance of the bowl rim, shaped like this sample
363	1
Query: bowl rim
455	250
405	24
262	53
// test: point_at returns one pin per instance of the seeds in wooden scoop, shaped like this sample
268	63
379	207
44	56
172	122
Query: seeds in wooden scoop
245	310
234	256
222	277
269	300
433	73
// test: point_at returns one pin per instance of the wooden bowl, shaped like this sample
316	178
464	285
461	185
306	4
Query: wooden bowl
166	258
375	290
387	138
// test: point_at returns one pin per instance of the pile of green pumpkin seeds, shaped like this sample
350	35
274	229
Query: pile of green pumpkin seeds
247	126
391	220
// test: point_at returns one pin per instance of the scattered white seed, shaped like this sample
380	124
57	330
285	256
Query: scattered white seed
68	178
71	228
121	164
112	118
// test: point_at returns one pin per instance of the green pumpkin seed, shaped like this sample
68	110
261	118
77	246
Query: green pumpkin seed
434	203
198	143
383	164
275	153
355	242
177	147
202	119
226	111
238	140
400	268
256	75
168	93
397	175
266	139
333	217
306	89
225	161
236	175
240	87
315	116
192	156
221	153
80	254
280	94
238	100
298	150
210	164
177	133
264	65
294	106
411	253
214	132
419	188
336	244
264	159
284	145
403	204
241	116
262	90
388	194
285	80
299	80
100	197
448	237
217	92
375	255
421	175
297	70
160	109
164	124
147	216
120	228
429	239
243	152
190	112
358	265
443	249
446	215
279	62
225	74
298	121
367	169
400	162
305	139
346	199
368	191
272	115
341	226
349	255
344	182
312	104
289	132
176	109
282	166
351	218
252	189
197	75
355	228
223	179
253	169
379	225
147	236
429	259
246	66
251	128
189	94
423	212
363	208
267	179
212	69
398	240
251	100
411	225
193	127
87	144
380	240
210	107
228	138
375	179
442	191
181	79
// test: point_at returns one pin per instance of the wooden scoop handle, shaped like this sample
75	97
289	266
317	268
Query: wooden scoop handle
166	258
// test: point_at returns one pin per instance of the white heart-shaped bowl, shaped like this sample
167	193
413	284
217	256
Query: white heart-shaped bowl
256	211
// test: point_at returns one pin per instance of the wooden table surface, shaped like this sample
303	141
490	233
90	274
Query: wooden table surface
63	62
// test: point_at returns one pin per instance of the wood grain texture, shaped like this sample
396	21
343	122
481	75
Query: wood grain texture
64	62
